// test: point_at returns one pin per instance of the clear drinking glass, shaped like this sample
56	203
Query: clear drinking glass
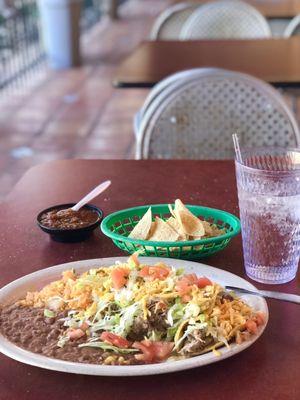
268	181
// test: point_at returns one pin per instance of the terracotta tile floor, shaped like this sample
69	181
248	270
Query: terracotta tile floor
77	113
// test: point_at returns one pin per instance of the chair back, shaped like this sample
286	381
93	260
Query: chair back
169	23
225	19
160	87
195	118
293	28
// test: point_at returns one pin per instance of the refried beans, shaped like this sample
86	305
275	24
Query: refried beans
28	328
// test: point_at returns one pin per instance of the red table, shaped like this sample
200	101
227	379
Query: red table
267	370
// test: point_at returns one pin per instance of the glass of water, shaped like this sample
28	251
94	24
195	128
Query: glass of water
268	181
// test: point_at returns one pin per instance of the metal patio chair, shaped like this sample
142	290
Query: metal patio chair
162	85
170	22
195	119
293	28
225	19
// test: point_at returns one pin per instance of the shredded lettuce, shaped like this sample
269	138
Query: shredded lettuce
55	303
93	271
123	297
202	318
108	323
127	316
106	346
191	310
62	341
175	312
131	284
172	330
155	336
49	313
171	284
180	271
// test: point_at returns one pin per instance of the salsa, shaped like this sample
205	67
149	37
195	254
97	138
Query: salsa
69	219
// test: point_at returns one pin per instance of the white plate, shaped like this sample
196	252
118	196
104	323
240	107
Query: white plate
36	280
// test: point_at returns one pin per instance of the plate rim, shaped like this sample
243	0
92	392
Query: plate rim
27	357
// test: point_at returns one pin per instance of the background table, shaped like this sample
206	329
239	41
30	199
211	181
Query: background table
267	370
274	60
269	8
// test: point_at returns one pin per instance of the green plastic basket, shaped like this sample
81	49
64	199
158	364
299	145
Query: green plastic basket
118	225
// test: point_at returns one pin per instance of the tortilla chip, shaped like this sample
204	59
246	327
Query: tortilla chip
191	225
175	224
142	228
180	332
163	232
197	237
217	231
208	229
179	206
171	210
152	229
182	225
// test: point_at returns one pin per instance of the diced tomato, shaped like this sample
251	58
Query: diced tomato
185	284
203	282
186	298
153	351
144	272
162	350
84	326
191	278
253	323
147	352
251	326
115	340
119	277
155	272
75	334
259	318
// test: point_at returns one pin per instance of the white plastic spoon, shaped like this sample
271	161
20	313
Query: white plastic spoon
91	195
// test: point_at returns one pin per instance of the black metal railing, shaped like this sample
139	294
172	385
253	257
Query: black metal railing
90	14
20	46
92	11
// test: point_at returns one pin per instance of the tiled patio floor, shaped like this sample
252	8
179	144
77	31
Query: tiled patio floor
77	113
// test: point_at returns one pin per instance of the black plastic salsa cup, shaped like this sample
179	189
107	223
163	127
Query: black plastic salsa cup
70	235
